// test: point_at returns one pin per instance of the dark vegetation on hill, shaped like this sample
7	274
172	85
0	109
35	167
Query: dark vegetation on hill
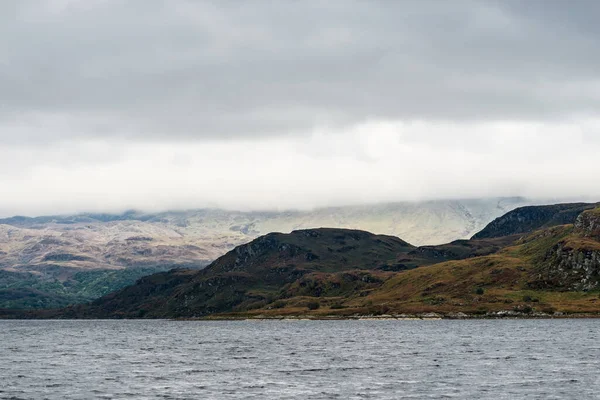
528	219
24	290
325	272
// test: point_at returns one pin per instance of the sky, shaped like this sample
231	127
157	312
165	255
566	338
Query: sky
109	105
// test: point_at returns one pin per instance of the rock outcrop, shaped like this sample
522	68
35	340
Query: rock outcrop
588	224
574	263
568	268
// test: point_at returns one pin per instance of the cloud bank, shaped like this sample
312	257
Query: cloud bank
107	105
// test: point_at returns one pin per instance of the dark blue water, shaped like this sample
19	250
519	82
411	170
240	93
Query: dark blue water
505	359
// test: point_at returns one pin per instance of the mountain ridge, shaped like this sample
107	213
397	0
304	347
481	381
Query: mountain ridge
528	218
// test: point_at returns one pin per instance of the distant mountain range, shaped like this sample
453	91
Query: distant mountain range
53	261
539	261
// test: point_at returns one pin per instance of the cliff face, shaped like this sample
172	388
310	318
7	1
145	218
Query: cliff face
574	263
570	268
588	224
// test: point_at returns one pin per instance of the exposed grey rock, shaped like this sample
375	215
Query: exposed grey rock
588	224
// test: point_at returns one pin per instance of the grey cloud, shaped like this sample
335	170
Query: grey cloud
211	70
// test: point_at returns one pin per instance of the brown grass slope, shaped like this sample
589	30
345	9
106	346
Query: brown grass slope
553	270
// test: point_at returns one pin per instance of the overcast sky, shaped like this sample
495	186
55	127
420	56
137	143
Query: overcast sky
107	105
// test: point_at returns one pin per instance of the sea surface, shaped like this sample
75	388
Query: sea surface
500	359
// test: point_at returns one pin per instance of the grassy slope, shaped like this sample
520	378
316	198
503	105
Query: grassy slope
491	283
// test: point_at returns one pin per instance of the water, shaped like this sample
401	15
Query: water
505	359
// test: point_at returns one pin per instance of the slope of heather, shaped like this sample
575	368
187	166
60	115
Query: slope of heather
551	270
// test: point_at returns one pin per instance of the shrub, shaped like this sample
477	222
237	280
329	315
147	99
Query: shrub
479	291
524	309
313	305
549	310
279	304
378	310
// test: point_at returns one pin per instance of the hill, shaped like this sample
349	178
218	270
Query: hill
530	218
551	270
306	263
54	261
332	272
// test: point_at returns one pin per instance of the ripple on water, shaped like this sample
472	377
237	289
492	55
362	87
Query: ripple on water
303	360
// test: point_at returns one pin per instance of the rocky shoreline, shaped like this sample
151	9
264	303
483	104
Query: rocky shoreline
430	316
399	317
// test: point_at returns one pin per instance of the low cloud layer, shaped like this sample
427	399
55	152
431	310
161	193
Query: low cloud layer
106	105
371	162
